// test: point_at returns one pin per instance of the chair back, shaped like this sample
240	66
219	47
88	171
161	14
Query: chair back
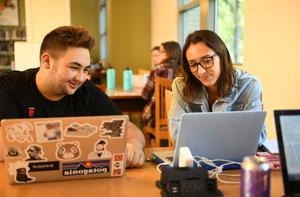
161	119
143	71
160	131
161	84
168	98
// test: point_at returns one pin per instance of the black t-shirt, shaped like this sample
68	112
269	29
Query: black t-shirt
18	93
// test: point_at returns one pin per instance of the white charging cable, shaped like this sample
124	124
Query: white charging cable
216	170
161	164
186	159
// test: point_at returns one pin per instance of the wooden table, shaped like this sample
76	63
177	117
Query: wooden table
127	101
136	182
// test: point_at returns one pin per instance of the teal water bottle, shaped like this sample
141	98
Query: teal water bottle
127	79
111	78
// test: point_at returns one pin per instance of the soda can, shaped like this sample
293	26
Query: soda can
255	177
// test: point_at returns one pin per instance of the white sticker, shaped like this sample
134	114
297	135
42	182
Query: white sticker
20	171
80	130
48	131
13	151
100	151
67	151
34	152
19	132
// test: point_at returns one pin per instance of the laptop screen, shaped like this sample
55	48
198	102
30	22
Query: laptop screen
288	136
220	135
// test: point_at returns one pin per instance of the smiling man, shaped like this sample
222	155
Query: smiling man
59	87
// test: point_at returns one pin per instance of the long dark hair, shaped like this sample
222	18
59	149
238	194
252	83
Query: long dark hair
192	86
173	51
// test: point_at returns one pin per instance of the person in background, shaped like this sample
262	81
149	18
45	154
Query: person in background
97	76
59	88
154	57
208	82
169	61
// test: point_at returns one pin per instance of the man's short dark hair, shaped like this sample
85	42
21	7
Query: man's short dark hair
64	37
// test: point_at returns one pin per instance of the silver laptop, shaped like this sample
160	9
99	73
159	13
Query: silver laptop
48	149
288	136
217	135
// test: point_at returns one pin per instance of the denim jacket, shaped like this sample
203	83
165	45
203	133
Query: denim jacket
245	96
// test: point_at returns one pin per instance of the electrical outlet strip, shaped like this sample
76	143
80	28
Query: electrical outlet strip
185	157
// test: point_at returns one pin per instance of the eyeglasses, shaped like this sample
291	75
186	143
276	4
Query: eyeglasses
206	63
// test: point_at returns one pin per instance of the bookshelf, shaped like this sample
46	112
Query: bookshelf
8	36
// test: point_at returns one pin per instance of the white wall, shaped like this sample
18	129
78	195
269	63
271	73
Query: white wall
271	52
44	15
164	21
26	55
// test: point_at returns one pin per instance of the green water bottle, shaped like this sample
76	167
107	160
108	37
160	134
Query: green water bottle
127	79
111	78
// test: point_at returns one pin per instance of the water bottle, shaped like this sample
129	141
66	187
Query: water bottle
111	78
127	79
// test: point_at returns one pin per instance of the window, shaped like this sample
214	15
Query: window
189	16
230	26
103	29
226	17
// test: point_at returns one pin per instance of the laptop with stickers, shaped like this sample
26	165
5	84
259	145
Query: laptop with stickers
49	149
288	137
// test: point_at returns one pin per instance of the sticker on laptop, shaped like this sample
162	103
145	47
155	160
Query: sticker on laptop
19	132
43	166
86	168
100	150
14	151
116	172
113	129
20	171
117	164
80	130
48	131
34	152
67	151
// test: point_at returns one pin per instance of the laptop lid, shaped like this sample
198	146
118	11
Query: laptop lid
48	149
220	135
288	136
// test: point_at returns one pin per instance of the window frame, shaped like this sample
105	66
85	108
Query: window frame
208	18
103	35
207	14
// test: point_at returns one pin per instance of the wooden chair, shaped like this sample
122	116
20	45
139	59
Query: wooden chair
160	131
143	71
168	98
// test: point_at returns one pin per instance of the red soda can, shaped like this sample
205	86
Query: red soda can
255	177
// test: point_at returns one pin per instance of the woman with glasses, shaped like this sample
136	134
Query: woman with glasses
169	61
208	82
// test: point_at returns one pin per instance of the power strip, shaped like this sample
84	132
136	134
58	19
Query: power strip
185	157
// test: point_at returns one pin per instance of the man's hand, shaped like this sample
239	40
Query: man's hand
135	156
134	147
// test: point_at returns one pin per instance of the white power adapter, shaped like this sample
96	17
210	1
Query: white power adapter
185	157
